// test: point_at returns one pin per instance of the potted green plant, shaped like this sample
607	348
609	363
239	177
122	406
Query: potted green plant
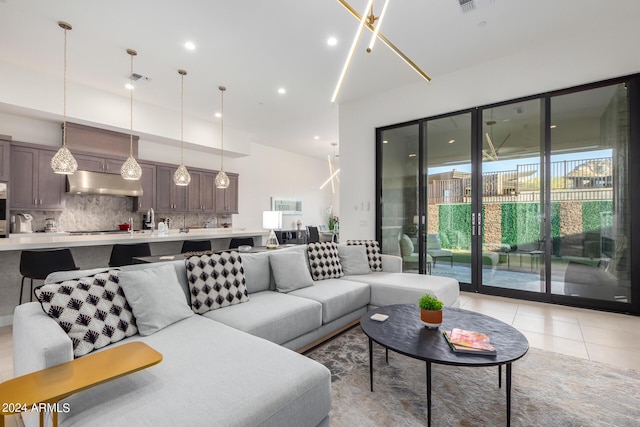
430	311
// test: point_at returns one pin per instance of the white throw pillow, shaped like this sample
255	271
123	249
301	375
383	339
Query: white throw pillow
290	270
354	259
155	297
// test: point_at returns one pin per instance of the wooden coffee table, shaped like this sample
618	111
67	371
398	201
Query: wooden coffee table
404	333
51	385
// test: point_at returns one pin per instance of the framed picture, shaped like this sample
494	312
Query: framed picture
288	206
322	227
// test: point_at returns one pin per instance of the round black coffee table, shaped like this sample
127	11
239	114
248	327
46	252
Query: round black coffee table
404	333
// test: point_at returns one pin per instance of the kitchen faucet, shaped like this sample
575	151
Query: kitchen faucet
152	220
131	225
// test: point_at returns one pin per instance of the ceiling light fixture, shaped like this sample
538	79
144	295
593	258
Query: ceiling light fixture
282	91
181	176
222	180
63	161
130	169
451	141
190	46
368	19
316	137
332	41
333	173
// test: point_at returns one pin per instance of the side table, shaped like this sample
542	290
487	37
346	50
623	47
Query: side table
51	385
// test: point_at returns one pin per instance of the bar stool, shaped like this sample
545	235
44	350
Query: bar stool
240	241
124	254
196	246
39	264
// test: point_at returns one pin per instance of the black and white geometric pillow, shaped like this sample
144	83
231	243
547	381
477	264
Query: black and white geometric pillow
216	281
324	260
373	252
93	311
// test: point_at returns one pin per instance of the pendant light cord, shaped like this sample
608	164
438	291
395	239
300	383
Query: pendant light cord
182	120
222	89
131	109
64	96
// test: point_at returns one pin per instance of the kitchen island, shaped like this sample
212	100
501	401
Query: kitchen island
93	251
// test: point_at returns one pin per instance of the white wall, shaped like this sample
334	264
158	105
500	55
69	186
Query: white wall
592	54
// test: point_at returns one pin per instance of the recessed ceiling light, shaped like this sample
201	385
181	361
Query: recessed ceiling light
553	126
190	46
385	142
412	155
282	91
129	86
316	137
218	115
451	141
332	41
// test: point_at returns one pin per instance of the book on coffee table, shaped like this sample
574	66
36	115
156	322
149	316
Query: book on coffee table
470	342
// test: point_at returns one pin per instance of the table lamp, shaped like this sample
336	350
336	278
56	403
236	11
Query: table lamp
272	220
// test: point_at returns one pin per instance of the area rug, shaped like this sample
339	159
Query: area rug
548	389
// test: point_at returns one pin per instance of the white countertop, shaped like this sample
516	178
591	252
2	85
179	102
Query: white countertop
65	240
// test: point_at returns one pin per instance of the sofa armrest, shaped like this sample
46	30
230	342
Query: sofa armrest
391	263
38	341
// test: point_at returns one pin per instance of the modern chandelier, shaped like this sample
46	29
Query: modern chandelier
222	180
373	23
130	168
181	176
63	161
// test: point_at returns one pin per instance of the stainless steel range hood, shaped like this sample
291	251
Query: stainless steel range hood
85	182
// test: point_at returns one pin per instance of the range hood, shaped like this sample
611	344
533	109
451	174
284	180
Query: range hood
85	182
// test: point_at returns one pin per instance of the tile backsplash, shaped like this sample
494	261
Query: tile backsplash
96	212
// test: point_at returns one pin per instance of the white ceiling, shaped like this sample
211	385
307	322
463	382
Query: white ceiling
254	47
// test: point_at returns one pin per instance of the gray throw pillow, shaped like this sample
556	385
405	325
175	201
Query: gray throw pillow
354	259
257	272
155	297
290	270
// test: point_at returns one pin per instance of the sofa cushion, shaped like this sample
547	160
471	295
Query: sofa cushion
155	297
373	252
257	271
93	310
274	316
338	297
290	270
216	281
353	259
407	288
210	375
324	260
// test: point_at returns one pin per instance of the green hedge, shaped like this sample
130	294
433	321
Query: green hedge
520	223
454	225
591	214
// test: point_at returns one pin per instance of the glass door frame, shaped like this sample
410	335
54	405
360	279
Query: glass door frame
633	86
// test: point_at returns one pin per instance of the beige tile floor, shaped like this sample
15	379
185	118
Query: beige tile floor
609	338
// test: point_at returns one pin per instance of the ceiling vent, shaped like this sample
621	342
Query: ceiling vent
139	78
469	5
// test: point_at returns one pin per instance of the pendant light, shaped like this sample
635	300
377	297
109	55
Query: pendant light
63	161
130	168
181	176
222	180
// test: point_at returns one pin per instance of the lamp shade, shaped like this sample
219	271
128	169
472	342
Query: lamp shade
272	220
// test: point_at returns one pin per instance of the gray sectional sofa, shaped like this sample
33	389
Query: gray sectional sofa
232	366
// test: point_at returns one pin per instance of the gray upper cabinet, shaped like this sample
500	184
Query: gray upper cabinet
98	164
169	196
33	183
227	199
148	182
4	159
202	192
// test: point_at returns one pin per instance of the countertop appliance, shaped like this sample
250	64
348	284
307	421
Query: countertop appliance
23	223
50	225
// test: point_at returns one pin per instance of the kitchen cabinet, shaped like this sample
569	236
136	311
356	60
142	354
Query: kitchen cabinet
98	164
169	196
148	182
202	192
33	183
227	198
4	159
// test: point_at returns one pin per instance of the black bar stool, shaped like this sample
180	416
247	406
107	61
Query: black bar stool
240	241
124	254
39	264
196	246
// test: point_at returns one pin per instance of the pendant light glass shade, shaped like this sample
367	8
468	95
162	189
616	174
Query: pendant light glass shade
222	180
130	169
63	161
181	176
